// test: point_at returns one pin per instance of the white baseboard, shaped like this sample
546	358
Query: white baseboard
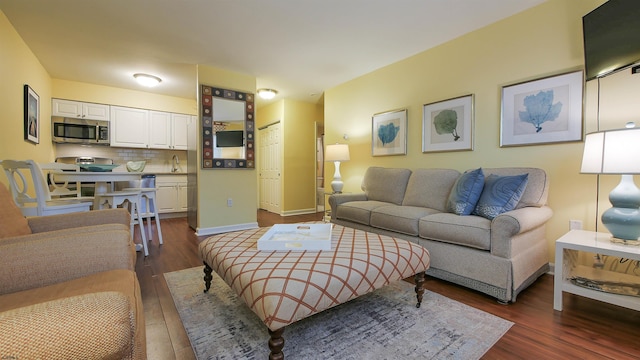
299	212
552	269
225	229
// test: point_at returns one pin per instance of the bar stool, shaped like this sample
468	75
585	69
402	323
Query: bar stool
149	210
134	199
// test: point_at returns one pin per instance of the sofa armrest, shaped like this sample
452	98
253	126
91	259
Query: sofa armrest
74	220
337	199
515	223
95	325
41	259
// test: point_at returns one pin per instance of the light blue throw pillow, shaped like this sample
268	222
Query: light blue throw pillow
466	192
500	194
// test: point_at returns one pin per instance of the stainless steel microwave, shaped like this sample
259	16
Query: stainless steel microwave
80	131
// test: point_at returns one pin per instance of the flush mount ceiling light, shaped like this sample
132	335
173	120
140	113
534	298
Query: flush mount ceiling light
267	93
147	80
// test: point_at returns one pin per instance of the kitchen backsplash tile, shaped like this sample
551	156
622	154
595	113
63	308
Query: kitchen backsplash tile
157	160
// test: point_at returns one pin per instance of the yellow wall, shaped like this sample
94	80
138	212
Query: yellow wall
299	152
18	66
545	40
215	186
73	90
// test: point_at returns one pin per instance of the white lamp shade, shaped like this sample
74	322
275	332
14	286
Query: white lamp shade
337	152
612	152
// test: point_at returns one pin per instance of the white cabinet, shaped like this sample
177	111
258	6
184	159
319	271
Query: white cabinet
141	128
171	193
180	123
168	130
129	127
80	110
159	130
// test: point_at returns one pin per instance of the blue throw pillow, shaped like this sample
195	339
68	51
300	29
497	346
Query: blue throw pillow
500	194
466	192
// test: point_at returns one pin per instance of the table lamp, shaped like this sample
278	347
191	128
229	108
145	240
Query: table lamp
616	152
337	153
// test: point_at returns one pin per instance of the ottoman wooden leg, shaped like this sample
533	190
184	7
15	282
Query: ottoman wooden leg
207	276
419	278
276	343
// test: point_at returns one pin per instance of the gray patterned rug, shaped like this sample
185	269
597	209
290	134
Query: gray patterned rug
384	324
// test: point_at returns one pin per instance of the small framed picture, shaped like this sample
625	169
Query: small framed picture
389	133
543	111
448	125
31	115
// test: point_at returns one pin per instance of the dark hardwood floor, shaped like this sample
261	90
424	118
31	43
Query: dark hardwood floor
586	329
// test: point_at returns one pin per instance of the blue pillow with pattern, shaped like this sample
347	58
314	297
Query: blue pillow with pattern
500	194
466	192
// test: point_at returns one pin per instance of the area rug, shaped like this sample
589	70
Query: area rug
384	324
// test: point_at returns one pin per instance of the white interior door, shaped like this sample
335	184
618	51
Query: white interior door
270	168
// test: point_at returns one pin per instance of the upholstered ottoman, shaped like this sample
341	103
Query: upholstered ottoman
282	287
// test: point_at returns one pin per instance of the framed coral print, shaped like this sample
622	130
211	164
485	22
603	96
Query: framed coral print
389	133
31	115
448	125
544	111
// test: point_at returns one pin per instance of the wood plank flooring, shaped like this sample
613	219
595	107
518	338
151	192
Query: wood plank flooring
586	329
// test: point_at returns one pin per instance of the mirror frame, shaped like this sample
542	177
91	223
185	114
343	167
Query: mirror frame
208	161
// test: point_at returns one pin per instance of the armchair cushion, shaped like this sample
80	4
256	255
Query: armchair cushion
13	222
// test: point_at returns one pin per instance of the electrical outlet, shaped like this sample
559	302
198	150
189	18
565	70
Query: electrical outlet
575	225
229	202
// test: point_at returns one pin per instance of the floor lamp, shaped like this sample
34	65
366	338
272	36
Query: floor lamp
337	153
615	152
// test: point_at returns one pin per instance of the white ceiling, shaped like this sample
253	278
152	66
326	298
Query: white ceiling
299	47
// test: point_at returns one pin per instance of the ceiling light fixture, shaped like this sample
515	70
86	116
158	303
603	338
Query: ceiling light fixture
147	80
267	94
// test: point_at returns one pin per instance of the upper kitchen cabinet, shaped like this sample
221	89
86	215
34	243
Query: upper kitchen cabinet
129	127
139	128
80	110
167	130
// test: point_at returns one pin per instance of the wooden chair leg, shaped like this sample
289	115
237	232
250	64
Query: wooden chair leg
419	278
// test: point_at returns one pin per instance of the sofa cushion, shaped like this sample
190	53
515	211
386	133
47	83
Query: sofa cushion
402	219
430	188
385	184
537	190
500	194
13	222
466	192
471	231
358	211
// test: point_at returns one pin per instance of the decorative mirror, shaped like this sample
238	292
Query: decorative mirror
227	129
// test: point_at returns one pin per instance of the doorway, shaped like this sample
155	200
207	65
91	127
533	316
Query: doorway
270	166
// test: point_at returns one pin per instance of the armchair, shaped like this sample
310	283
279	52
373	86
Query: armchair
68	289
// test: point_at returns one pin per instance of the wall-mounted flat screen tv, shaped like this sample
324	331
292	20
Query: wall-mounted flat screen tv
611	37
231	138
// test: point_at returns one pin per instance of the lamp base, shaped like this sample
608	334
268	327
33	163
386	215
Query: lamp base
336	186
623	219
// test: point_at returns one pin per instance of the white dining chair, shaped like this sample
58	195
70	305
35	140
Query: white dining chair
62	190
41	204
130	198
149	210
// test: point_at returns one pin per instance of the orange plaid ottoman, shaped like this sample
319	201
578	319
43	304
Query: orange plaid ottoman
282	287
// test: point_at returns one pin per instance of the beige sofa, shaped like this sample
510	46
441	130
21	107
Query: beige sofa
68	289
499	256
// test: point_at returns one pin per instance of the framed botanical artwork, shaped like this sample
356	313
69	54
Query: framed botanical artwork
543	111
389	133
31	115
448	125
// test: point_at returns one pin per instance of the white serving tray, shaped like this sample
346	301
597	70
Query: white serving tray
296	237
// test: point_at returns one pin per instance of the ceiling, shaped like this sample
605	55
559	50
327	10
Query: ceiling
299	47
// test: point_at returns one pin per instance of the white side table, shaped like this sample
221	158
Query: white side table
567	265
